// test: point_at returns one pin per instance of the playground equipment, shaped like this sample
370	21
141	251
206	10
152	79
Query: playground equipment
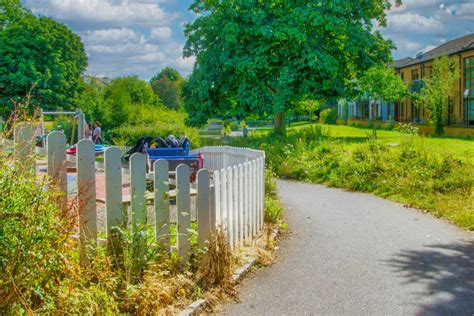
78	115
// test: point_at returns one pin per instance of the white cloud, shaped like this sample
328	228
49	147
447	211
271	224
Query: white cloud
412	22
427	48
112	36
161	34
96	12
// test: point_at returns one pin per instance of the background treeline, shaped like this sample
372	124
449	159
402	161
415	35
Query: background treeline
42	65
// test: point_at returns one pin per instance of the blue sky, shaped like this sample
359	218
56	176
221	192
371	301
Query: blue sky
139	37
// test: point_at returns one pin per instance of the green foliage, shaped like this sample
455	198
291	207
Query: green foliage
412	172
41	56
91	99
328	116
123	98
260	57
407	129
169	73
168	91
273	207
438	90
33	240
152	121
382	83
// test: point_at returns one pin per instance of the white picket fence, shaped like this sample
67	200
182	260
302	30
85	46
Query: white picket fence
229	193
239	190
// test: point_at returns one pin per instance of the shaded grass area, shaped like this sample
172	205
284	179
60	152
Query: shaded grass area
433	174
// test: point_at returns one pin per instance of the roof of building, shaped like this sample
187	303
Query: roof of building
448	48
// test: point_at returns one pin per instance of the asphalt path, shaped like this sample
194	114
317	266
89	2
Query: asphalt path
357	254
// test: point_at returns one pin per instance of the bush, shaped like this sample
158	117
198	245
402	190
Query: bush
33	240
411	173
328	116
152	121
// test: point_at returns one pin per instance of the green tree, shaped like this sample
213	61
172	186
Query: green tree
41	56
439	88
91	99
261	57
169	92
11	11
168	72
382	84
123	96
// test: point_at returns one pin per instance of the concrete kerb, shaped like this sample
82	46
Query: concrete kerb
197	307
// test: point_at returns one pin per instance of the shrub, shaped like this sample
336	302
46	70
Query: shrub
33	240
328	116
153	121
407	129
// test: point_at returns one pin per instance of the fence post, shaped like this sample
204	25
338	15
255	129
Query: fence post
184	211
113	189
263	190
247	201
57	172
86	197
24	145
241	204
255	196
138	188
230	207
162	210
217	199
235	195
203	208
223	214
258	192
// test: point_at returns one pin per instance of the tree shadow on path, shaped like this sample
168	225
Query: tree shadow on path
448	272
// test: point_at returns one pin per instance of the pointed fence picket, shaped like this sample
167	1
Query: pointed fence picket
229	193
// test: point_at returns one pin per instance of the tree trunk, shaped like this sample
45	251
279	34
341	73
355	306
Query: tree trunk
279	124
374	118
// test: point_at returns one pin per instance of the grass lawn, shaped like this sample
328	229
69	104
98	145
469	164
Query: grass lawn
462	147
429	173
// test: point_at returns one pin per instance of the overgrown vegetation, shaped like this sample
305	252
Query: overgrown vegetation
412	171
41	270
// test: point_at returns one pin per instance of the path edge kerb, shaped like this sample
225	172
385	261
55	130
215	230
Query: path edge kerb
196	307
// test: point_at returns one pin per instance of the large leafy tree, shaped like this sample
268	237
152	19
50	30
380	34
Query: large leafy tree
382	84
168	85
122	98
39	57
262	56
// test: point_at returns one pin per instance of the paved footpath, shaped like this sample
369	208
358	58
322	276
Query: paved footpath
357	254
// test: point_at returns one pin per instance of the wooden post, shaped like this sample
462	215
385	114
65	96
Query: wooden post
113	189
230	207
241	205
203	208
184	211
138	188
162	210
25	146
57	172
223	215
217	198
235	194
246	201
116	217
86	197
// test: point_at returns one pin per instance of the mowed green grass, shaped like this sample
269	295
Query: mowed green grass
460	147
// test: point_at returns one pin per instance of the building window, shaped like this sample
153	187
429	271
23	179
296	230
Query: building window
426	72
415	75
469	91
402	75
